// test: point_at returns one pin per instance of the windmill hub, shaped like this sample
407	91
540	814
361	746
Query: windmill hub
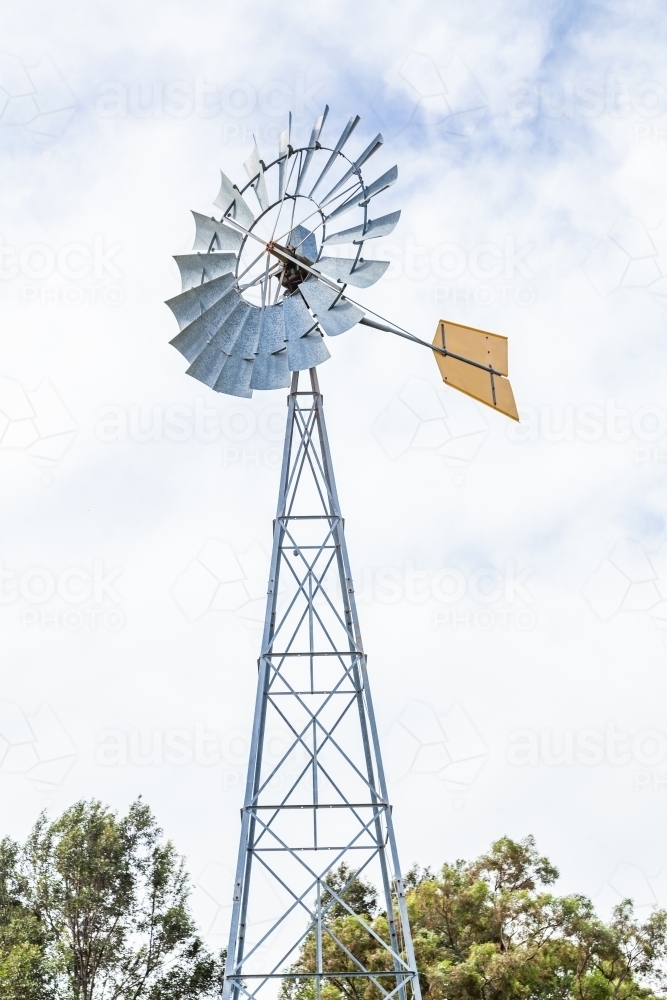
292	275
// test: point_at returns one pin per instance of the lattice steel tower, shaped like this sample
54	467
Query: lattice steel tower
259	292
325	800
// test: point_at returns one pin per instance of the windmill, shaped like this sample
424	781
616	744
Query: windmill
262	293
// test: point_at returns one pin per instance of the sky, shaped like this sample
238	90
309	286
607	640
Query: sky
512	579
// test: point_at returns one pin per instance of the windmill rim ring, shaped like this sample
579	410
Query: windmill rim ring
318	207
267	211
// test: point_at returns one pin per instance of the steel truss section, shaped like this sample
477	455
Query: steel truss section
316	794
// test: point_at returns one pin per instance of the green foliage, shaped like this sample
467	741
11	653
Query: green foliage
359	895
25	970
491	929
95	906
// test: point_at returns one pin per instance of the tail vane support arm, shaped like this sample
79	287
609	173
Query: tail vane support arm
470	360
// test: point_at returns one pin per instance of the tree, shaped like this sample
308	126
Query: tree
359	895
491	929
107	899
25	972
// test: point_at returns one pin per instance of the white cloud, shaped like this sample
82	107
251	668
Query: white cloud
426	416
34	745
36	422
35	97
220	579
446	746
630	580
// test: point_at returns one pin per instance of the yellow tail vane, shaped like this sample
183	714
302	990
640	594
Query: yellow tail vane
475	362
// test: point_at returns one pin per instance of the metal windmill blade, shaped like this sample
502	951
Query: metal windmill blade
366	231
260	296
